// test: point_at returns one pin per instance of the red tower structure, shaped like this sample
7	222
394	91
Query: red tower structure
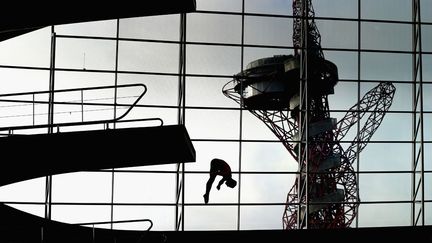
289	94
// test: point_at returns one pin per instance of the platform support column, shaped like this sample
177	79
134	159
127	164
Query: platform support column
180	176
48	179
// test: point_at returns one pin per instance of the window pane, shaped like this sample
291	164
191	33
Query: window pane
219	28
148	57
268	31
428	155
207	92
426	38
70	80
261	217
22	80
385	36
385	187
212	124
428	212
428	186
397	157
86	55
105	28
210	218
426	126
144	188
255	157
213	60
219	5
399	10
336	8
86	187
338	34
268	7
427	72
426	14
268	188
385	66
381	215
164	27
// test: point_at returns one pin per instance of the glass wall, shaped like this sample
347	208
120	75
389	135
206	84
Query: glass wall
369	40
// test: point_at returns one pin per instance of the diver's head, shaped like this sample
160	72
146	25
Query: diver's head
231	182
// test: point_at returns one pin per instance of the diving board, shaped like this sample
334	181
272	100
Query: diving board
31	156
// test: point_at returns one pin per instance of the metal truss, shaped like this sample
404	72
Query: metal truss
326	146
325	193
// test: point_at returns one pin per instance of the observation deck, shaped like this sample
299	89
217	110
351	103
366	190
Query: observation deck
270	83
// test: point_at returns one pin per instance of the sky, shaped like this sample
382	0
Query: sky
33	49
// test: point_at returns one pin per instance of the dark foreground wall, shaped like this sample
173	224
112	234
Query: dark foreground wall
387	234
18	17
20	227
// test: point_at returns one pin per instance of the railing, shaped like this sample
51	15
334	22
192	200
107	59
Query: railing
3	98
115	222
118	222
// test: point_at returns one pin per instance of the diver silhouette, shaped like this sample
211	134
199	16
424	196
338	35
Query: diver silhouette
221	168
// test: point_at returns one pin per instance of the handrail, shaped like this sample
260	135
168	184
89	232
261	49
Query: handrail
122	121
74	103
119	221
143	119
62	102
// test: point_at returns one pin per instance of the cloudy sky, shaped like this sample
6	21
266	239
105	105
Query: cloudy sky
219	126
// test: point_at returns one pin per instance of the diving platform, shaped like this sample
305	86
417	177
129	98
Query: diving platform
26	157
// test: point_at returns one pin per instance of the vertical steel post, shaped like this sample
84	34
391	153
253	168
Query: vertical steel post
183	107
82	106
414	115
48	179
115	114
358	97
180	176
241	118
33	109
